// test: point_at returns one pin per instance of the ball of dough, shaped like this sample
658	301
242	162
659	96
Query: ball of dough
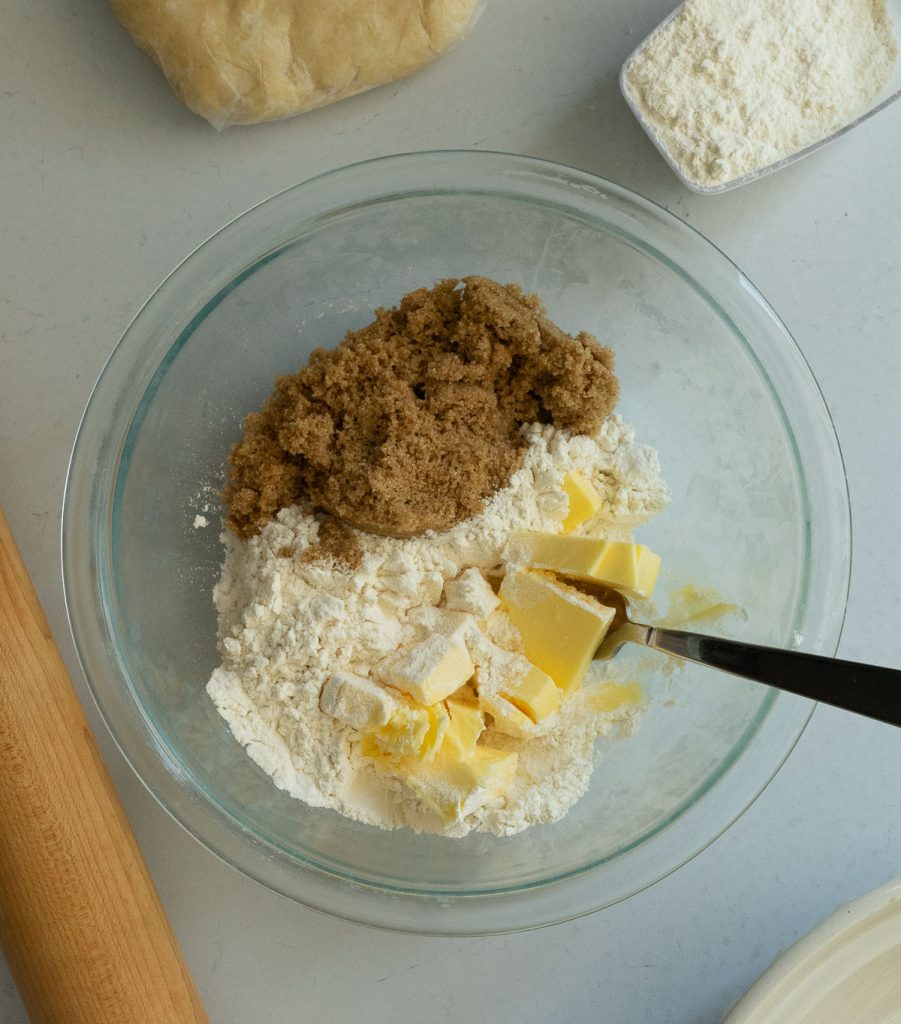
242	61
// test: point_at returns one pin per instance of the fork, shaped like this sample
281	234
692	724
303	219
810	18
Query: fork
864	689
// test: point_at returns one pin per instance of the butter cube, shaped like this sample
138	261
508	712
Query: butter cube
506	718
430	670
523	703
584	500
629	568
456	788
414	731
433	741
358	702
466	725
536	695
451	787
560	627
404	734
497	669
472	593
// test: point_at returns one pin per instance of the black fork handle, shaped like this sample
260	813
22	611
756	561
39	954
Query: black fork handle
864	689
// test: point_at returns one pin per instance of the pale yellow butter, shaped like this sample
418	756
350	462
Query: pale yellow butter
499	671
454	789
466	726
496	667
536	695
405	732
448	771
423	731
523	702
356	701
629	568
414	730
451	786
560	627
439	721
505	718
430	670
584	500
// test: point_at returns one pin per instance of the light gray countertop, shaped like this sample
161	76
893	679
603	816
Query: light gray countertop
107	182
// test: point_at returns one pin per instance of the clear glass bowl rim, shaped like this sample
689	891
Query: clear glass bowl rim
87	507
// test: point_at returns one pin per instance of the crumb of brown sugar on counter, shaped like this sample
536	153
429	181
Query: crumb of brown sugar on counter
414	420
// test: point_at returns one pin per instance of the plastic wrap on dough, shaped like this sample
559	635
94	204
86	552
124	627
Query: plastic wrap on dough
244	61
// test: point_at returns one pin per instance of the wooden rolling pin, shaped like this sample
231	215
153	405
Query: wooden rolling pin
81	925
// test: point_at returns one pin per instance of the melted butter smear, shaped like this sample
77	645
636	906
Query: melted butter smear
694	606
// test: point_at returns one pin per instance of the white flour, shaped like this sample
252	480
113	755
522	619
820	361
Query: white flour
731	86
285	626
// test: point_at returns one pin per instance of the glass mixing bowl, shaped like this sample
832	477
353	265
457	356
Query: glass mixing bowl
709	376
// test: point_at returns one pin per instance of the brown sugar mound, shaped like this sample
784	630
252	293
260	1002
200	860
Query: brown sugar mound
413	421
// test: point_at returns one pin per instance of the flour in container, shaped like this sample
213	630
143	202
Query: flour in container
732	86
